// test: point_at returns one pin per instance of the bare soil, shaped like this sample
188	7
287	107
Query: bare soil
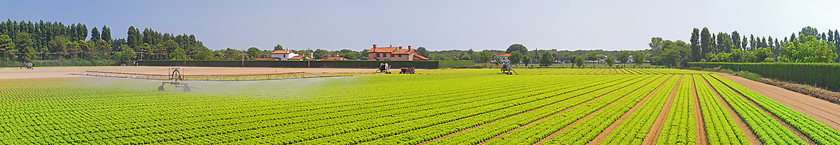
67	72
818	109
603	135
660	120
751	137
699	124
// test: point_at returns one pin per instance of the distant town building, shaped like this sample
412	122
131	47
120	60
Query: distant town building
298	58
334	58
503	56
283	54
394	53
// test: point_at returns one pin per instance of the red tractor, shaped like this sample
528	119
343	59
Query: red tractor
407	70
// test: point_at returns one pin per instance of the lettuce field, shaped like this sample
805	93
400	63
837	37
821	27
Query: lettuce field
444	106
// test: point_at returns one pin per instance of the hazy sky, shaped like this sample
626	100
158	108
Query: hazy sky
435	24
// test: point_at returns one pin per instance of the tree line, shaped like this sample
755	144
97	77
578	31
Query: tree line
809	46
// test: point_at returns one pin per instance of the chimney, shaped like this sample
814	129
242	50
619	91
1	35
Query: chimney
374	45
400	47
409	47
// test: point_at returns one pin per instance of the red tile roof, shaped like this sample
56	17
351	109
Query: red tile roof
296	57
420	57
504	55
281	52
334	58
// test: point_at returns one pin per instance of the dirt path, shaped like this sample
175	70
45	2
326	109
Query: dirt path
821	110
564	110
699	124
603	135
738	120
788	126
66	72
593	113
660	120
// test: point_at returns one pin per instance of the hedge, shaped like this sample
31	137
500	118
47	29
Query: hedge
455	63
821	74
296	64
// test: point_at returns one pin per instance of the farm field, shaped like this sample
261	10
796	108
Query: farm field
444	106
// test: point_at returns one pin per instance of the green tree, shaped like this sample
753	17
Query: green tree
736	40
278	47
170	46
696	52
639	57
422	51
106	34
516	47
593	56
546	59
706	42
809	31
515	57
7	47
24	45
485	56
58	45
656	48
134	38
610	60
178	54
624	56
579	61
253	52
94	34
320	54
349	56
126	55
526	60
807	49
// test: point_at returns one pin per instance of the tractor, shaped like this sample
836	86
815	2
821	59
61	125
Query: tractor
177	80
384	68
407	70
506	68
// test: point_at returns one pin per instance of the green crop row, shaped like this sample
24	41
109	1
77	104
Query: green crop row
587	129
542	129
635	128
767	129
720	127
368	131
564	71
815	130
429	133
679	126
488	131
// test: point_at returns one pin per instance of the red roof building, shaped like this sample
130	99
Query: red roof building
394	53
334	58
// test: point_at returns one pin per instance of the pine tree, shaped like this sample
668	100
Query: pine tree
94	34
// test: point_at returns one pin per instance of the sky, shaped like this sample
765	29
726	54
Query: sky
435	24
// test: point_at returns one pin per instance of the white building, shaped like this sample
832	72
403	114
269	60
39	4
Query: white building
283	54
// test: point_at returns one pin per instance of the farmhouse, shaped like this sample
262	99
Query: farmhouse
283	54
503	56
394	53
